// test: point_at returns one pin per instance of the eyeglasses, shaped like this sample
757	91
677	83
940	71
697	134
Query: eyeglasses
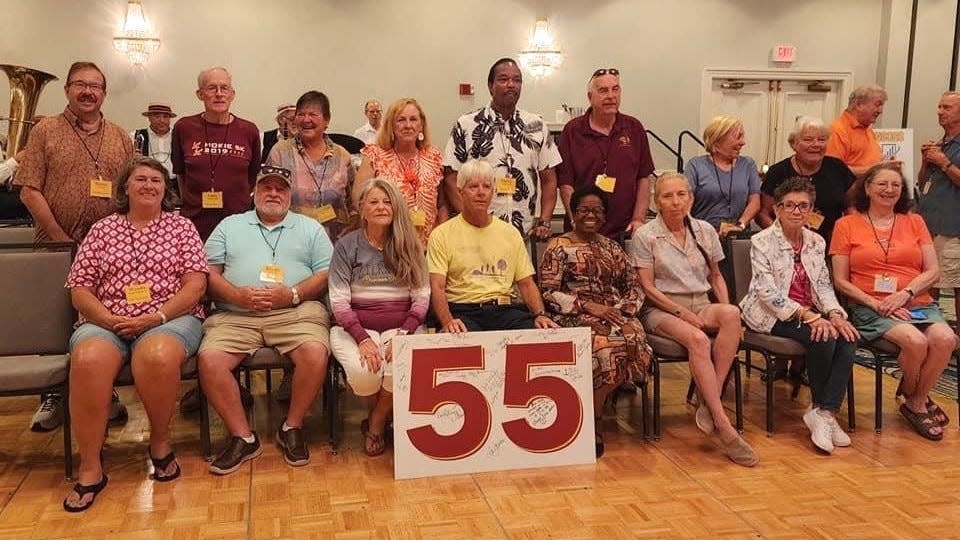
791	206
84	85
605	71
273	171
584	210
217	89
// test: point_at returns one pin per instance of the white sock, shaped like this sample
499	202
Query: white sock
285	427
249	439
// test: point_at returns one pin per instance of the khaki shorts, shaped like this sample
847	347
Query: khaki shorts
652	316
286	329
948	257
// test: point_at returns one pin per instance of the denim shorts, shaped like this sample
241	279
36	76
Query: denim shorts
187	329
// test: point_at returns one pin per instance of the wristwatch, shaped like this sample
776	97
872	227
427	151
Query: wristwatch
296	296
909	291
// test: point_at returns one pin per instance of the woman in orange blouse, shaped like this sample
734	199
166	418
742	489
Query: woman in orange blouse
885	263
403	154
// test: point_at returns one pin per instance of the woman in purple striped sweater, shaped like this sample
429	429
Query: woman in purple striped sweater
378	289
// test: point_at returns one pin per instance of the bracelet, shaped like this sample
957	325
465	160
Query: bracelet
813	319
163	318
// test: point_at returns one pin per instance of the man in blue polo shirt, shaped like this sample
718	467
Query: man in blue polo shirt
610	149
268	270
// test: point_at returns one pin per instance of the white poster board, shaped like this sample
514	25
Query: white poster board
898	144
490	401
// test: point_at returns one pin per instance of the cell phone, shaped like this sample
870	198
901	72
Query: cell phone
917	314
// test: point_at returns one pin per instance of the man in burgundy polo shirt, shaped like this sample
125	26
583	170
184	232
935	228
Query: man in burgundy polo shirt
610	149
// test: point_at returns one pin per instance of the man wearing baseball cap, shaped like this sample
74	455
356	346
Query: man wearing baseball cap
268	272
154	141
285	129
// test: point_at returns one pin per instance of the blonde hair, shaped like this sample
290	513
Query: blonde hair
402	252
385	135
718	128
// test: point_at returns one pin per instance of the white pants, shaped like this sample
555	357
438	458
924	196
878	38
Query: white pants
363	381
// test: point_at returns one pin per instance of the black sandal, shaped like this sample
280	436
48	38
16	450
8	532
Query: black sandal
939	415
82	490
922	423
373	443
162	464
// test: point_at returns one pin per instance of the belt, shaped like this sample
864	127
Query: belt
486	303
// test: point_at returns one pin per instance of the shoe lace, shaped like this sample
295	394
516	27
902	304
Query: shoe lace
50	404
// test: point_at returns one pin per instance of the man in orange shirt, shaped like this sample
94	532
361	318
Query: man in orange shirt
851	138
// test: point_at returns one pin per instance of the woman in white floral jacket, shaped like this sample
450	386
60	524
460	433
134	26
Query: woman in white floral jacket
791	296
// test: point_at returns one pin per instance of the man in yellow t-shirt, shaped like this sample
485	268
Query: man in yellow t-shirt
475	260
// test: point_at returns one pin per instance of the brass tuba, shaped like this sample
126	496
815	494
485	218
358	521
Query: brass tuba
25	87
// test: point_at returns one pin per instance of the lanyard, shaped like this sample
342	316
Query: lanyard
206	144
729	194
505	141
138	254
95	159
885	250
273	248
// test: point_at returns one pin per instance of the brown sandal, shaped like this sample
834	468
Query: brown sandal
922	423
373	443
937	413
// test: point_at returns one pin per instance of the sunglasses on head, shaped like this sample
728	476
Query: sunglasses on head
605	71
269	169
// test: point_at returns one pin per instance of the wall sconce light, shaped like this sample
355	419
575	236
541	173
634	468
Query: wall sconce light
542	55
136	40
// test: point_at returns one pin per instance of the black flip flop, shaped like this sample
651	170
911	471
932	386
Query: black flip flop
82	490
161	464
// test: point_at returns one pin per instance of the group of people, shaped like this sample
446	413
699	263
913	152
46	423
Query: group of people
414	229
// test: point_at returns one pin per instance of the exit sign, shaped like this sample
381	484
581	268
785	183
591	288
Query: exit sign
784	53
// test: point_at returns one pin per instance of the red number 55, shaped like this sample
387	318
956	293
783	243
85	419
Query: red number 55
520	390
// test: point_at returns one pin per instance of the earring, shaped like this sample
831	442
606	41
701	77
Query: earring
420	136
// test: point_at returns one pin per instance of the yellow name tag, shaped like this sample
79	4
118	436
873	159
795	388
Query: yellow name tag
137	293
325	213
212	199
504	300
506	185
418	217
101	188
814	220
606	183
271	273
884	283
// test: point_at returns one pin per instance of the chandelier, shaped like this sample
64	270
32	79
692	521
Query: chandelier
542	55
136	40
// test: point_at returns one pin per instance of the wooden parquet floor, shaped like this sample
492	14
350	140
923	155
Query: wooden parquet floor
891	485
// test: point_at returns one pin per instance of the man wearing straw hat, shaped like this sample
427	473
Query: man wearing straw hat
284	130
154	141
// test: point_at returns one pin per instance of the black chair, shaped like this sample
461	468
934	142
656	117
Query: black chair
665	351
349	142
776	351
266	359
35	326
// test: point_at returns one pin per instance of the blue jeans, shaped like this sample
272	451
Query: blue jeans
829	363
187	329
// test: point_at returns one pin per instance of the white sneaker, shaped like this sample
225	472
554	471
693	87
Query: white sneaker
839	437
50	414
820	432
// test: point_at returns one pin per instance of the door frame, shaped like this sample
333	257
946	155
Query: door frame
710	74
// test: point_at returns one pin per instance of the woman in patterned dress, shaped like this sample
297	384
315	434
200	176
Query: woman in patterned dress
136	282
403	154
587	280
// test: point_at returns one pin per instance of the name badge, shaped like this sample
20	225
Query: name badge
606	183
506	185
212	199
504	300
814	220
727	227
325	213
884	283
101	188
137	293
418	217
271	273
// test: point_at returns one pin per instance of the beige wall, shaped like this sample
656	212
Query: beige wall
355	49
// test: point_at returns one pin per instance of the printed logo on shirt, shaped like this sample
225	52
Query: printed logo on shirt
489	270
218	148
624	141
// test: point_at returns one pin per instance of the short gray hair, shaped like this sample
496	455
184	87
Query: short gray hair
804	123
204	73
474	169
865	93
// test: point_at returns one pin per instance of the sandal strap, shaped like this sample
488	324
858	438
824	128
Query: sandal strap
83	489
161	463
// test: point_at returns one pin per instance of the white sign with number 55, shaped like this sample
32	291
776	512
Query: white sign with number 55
490	401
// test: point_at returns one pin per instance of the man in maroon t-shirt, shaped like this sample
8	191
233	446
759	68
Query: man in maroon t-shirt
610	149
215	155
